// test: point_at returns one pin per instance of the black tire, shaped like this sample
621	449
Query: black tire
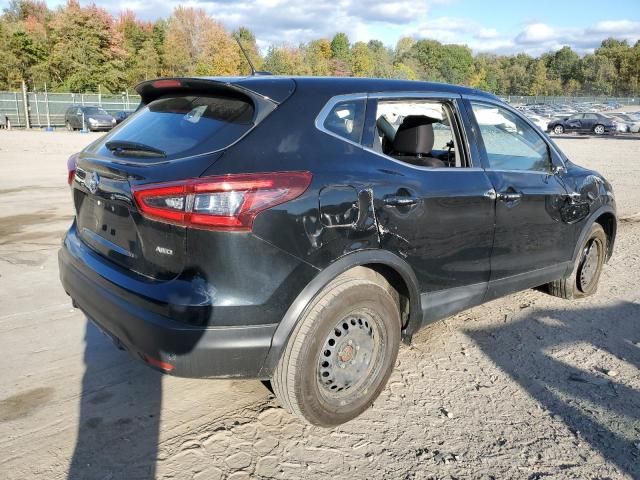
585	276
599	129
342	351
558	129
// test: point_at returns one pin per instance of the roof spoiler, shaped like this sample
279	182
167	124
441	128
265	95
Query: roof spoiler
264	89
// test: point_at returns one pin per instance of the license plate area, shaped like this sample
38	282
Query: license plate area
108	227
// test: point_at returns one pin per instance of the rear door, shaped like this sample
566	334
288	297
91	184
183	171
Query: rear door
532	244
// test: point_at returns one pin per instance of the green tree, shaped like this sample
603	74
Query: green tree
86	50
456	63
599	74
317	54
340	47
362	60
248	41
285	60
538	84
563	65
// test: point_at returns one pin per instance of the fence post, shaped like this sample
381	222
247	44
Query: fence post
15	97
25	103
99	96
35	98
46	104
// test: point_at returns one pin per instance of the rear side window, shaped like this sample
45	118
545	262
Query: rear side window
346	119
185	125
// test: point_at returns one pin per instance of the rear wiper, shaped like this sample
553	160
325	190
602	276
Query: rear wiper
124	147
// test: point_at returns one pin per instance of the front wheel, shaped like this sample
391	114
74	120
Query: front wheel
585	276
341	353
558	129
598	129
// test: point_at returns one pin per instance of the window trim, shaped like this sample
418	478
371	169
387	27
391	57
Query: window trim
453	98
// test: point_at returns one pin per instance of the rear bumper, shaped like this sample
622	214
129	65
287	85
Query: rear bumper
163	343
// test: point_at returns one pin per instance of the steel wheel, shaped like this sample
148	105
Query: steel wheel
598	130
590	262
558	129
341	353
351	357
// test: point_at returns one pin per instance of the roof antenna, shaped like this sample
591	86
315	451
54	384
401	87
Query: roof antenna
254	72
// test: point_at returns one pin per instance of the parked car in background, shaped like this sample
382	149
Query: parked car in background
121	116
584	123
541	122
626	123
94	118
296	229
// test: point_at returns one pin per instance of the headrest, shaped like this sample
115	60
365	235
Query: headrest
385	127
414	135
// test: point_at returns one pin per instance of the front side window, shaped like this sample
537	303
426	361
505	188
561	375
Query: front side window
346	119
510	143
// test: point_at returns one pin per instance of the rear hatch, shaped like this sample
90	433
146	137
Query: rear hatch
180	129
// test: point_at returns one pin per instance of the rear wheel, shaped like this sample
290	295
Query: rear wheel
558	129
341	353
598	129
585	276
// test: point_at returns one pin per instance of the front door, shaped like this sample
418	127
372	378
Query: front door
532	243
575	122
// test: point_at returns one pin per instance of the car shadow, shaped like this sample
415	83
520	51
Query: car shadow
595	403
119	414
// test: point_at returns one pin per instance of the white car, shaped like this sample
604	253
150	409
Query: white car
627	123
540	122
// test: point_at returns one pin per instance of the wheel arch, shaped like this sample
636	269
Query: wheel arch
396	271
606	217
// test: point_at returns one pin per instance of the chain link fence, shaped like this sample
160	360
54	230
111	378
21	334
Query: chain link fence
519	99
43	110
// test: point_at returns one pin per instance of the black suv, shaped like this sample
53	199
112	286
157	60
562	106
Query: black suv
88	118
297	229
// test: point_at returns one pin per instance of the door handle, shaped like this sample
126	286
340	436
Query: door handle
509	196
400	200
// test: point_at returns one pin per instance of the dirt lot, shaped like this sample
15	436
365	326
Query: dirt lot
524	387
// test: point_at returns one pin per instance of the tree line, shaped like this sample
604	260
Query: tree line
80	49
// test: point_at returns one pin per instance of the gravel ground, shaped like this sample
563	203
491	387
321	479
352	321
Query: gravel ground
524	387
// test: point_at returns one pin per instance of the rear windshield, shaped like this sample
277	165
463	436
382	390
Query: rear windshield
184	125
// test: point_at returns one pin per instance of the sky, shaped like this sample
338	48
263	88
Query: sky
533	27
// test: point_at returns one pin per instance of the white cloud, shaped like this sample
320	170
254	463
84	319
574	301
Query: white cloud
536	33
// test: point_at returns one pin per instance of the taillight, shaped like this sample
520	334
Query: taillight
167	83
229	202
71	168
